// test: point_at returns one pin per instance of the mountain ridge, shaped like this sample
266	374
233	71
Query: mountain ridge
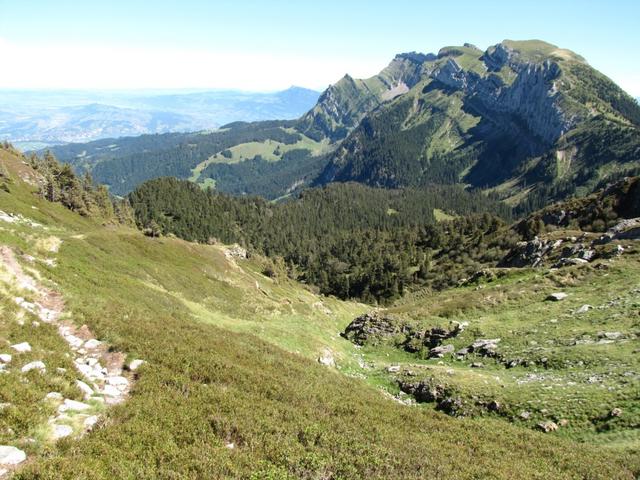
526	121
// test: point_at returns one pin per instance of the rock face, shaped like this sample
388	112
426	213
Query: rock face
341	106
528	254
11	455
531	96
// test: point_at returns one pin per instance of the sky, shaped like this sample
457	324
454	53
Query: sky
271	45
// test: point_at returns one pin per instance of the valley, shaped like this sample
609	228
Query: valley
219	336
415	265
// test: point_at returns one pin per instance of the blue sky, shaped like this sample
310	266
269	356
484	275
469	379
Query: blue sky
272	44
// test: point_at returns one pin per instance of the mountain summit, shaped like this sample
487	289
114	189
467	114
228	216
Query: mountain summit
517	114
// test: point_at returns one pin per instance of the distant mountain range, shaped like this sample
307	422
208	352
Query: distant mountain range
35	119
525	121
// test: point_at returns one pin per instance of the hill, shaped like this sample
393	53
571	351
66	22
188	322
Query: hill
230	386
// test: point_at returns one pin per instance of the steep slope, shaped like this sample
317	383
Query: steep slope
519	116
343	105
211	403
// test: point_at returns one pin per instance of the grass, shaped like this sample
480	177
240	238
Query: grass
220	372
266	149
571	375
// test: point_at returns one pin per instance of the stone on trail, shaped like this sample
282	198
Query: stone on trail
117	381
93	343
11	455
86	389
73	405
111	391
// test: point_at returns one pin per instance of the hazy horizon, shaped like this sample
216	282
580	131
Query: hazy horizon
256	47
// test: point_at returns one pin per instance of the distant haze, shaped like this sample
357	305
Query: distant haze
36	119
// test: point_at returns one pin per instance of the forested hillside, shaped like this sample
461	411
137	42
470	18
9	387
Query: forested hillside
349	240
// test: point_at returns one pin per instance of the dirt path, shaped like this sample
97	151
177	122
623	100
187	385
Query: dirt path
102	376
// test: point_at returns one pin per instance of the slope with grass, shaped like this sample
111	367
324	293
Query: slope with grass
551	345
224	392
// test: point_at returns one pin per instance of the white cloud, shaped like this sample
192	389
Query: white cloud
63	66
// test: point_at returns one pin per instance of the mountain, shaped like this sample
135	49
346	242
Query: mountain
154	357
33	119
525	121
522	119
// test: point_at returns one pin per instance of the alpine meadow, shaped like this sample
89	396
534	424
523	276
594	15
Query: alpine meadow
428	271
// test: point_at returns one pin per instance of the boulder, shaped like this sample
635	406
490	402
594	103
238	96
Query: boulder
11	455
485	347
53	396
584	309
528	254
547	427
441	351
21	347
326	358
73	405
610	335
135	364
5	358
616	412
90	421
372	328
556	297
